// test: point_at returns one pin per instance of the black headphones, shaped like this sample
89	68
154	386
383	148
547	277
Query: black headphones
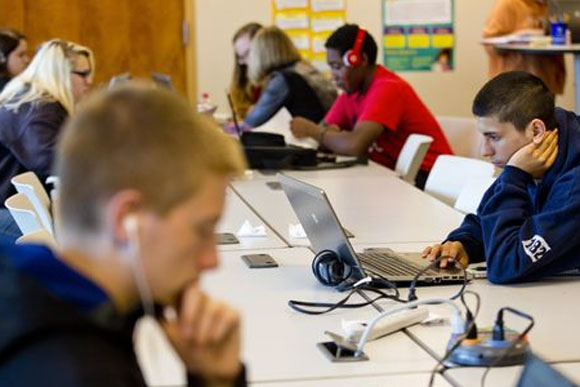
329	269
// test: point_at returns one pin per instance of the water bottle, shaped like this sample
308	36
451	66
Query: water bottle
205	105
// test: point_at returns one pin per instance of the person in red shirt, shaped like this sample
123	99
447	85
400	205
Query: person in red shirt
377	111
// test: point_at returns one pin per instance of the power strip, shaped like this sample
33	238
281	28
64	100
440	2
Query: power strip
353	330
485	352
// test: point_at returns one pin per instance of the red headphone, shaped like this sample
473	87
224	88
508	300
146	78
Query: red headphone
353	57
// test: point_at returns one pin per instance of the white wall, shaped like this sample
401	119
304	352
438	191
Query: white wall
445	94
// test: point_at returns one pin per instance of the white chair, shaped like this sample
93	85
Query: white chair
411	156
472	193
463	136
449	173
23	213
28	183
40	237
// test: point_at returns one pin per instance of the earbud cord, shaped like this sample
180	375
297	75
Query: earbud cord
139	273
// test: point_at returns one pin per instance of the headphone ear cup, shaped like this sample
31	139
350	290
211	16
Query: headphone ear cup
351	58
328	268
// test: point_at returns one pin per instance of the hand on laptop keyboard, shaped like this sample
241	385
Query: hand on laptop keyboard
452	251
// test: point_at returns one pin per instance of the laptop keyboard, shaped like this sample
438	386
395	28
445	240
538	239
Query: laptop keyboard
390	265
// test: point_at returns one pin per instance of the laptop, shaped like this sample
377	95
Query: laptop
325	232
539	373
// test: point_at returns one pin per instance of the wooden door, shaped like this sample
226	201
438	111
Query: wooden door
136	36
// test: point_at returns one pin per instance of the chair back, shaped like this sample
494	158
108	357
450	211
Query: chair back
411	156
23	213
40	237
471	194
28	184
449	174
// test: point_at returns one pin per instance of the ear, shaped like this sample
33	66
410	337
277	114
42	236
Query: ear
119	208
537	129
364	59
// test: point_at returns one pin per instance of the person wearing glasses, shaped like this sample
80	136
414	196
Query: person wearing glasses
34	105
243	93
13	55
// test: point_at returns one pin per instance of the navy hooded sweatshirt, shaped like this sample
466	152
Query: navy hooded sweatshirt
58	328
526	229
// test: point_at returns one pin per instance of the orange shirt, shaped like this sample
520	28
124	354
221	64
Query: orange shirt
509	16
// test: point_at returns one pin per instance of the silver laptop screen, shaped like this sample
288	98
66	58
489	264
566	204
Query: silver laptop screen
318	218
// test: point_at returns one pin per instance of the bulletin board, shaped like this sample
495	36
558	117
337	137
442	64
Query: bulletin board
418	35
309	23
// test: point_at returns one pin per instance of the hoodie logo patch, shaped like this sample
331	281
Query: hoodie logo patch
536	248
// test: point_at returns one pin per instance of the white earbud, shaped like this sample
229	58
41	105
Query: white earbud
130	223
131	226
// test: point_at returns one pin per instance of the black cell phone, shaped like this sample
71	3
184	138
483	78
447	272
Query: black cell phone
226	238
259	261
274	185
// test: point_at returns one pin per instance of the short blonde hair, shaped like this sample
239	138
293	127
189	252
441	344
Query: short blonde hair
271	48
47	77
139	137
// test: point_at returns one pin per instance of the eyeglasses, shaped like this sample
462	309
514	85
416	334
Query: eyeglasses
83	74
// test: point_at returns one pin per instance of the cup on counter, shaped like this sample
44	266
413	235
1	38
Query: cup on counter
559	32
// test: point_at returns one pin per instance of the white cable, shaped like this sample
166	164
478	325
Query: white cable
139	271
458	326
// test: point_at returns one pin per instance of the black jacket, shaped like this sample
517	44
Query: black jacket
27	141
298	87
47	341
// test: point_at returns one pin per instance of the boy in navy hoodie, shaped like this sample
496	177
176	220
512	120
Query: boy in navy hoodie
527	225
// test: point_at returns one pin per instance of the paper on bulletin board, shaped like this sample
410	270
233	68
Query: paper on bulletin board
418	35
309	23
290	4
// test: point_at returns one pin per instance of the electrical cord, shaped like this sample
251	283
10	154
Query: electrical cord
299	305
468	328
512	345
432	265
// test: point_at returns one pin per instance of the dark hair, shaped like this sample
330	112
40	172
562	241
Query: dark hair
241	72
516	97
343	40
9	40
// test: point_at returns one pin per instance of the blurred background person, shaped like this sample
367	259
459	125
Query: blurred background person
523	17
33	107
243	93
13	55
286	80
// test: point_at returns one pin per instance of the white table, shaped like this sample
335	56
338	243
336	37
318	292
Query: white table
236	212
552	303
375	209
372	169
279	344
418	379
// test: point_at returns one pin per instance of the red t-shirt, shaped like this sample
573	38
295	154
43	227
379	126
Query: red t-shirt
391	102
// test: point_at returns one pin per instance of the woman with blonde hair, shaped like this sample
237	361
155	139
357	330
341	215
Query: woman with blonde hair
287	80
35	104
